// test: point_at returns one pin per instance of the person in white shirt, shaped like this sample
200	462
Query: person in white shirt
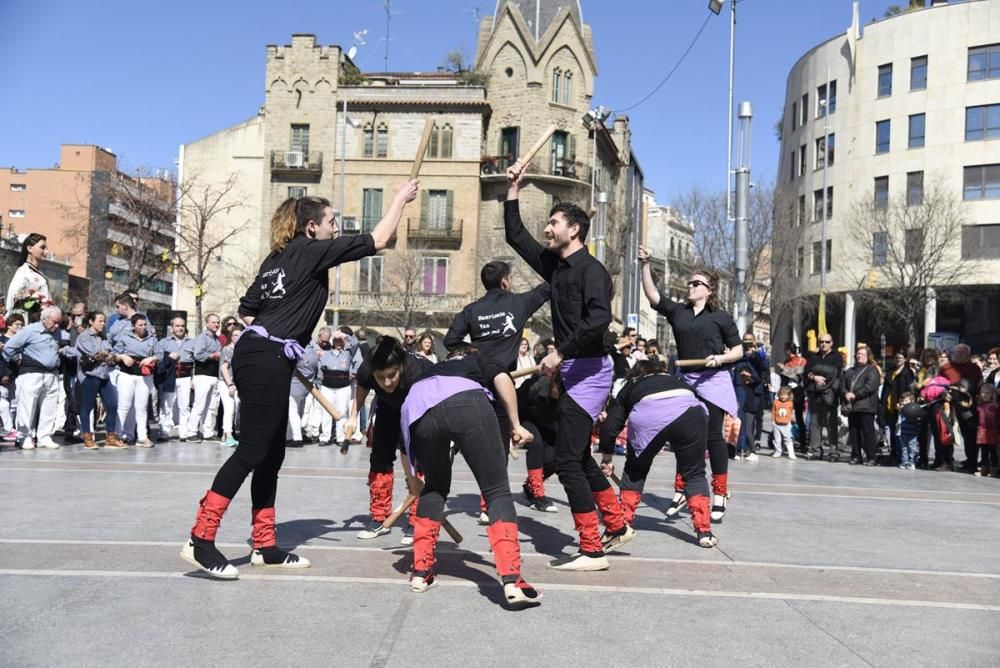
28	291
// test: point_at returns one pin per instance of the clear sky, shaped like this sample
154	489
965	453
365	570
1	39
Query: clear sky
143	78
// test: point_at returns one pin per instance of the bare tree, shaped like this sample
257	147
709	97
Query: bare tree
910	245
201	234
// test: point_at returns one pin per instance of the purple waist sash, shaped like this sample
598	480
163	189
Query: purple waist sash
655	413
588	382
290	348
428	393
714	386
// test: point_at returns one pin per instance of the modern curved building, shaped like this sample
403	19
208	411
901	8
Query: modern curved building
878	120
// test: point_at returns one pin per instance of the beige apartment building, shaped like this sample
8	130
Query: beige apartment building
885	115
535	66
85	208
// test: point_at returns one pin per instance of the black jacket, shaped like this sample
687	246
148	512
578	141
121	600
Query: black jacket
829	366
494	322
864	383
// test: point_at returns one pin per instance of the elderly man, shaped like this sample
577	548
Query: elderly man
37	345
176	388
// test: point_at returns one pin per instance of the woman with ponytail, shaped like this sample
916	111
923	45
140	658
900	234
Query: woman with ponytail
28	291
703	331
281	308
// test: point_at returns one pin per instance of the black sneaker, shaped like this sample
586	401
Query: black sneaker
293	444
203	555
324	444
521	595
407	538
373	530
707	539
344	446
544	505
275	557
678	502
528	494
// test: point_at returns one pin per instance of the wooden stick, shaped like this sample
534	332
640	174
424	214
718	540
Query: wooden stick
684	364
411	481
521	373
526	158
318	396
422	149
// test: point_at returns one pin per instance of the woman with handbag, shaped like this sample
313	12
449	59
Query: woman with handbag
859	392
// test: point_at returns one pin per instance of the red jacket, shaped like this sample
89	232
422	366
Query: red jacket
988	432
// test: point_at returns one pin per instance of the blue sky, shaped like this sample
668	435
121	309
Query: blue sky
143	78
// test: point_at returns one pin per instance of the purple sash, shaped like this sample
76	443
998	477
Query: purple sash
588	381
428	393
654	413
291	348
714	386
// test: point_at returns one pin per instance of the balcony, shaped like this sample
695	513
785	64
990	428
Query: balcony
445	233
387	302
297	163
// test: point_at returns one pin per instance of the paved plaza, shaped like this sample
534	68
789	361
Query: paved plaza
818	564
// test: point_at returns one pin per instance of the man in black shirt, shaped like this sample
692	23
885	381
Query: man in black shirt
581	313
494	322
822	375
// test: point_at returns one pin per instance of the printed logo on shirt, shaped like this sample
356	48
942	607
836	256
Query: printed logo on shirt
496	324
272	284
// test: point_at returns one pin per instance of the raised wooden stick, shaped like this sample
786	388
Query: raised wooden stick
422	149
526	158
684	364
521	373
318	396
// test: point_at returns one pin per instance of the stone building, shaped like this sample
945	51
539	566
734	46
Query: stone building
886	117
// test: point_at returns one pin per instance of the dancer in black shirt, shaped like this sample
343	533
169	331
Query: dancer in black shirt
581	313
281	307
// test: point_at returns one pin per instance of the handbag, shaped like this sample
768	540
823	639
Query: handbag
847	407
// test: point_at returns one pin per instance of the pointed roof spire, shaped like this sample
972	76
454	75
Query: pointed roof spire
539	14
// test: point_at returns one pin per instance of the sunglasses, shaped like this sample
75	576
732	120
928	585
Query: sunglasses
827	342
694	284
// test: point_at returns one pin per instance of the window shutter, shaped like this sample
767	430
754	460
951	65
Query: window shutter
450	210
572	147
424	206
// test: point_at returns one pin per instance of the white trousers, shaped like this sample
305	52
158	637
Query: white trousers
340	397
230	404
37	392
5	416
312	417
205	408
175	408
296	410
133	395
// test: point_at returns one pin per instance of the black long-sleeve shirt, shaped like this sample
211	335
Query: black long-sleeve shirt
709	332
494	322
581	289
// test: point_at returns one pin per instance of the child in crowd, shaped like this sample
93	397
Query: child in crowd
227	389
782	412
988	432
908	424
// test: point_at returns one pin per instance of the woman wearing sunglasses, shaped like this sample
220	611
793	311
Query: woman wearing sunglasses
703	330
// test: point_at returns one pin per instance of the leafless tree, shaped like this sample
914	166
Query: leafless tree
911	248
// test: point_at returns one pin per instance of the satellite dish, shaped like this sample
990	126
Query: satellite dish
351	52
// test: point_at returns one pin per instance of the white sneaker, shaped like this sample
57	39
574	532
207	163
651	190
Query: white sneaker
791	454
47	443
373	530
720	504
777	454
678	502
28	444
484	519
580	562
752	457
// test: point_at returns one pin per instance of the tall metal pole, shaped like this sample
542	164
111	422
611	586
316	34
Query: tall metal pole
340	206
602	225
821	324
729	112
743	319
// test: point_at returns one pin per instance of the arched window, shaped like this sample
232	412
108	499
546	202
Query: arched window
368	143
567	93
446	141
556	84
432	145
382	141
440	144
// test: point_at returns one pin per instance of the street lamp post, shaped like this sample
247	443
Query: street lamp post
340	204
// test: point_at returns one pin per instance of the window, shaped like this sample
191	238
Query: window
913	245
567	89
982	122
791	163
805	110
382	141
980	242
917	124
371	209
15	213
824	104
981	182
800	262
556	84
435	275
300	138
984	62
825	151
914	188
368	143
560	142
18	187
370	274
795	115
918	73
296	191
802	209
437	212
881	192
882	137
818	204
817	255
440	142
671	247
880	249
508	146
885	80
802	160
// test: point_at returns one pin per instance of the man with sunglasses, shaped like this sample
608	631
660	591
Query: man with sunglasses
822	373
410	340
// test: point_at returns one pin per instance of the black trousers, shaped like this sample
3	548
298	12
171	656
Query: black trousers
468	420
263	377
969	428
578	472
718	450
861	427
388	439
799	402
820	417
541	452
687	436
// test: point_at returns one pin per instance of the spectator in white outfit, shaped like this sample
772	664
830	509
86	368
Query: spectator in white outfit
7	373
227	388
207	351
335	378
135	353
180	349
308	366
28	291
38	377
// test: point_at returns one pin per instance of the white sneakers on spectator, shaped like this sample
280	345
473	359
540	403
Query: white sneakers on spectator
47	443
